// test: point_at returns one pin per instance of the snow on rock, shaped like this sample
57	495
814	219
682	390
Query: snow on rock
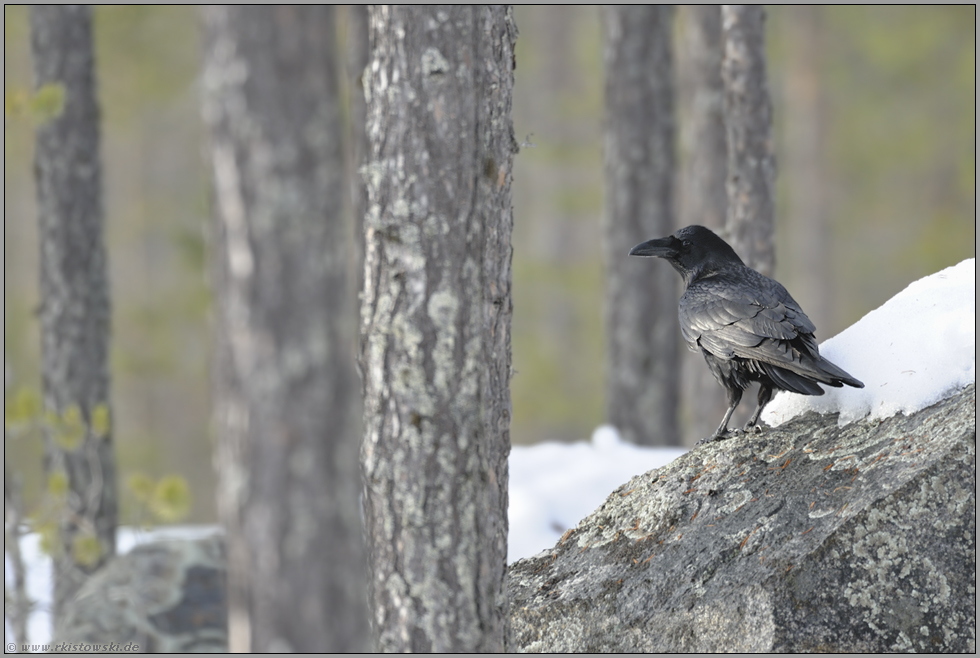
554	485
910	353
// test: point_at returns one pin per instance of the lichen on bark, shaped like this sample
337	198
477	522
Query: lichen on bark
435	322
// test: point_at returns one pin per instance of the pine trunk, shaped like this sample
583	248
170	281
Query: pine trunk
703	197
436	315
748	121
74	310
702	124
642	336
286	403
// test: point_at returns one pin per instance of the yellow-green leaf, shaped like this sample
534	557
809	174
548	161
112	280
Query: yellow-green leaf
58	484
171	498
100	421
86	550
21	408
71	430
48	102
48	533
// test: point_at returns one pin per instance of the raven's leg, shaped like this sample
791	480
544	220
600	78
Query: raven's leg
734	397
765	395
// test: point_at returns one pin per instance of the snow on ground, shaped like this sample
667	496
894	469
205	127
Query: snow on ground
910	353
554	485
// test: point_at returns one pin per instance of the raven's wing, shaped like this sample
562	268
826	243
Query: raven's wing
745	314
741	309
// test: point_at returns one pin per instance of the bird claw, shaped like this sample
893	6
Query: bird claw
728	434
753	429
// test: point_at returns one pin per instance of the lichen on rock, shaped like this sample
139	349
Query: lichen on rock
808	537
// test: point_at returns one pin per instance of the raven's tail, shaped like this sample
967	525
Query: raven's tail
802	376
787	380
834	375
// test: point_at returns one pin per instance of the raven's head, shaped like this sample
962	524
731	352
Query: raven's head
693	251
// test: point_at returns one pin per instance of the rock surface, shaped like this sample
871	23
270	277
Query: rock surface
808	537
162	597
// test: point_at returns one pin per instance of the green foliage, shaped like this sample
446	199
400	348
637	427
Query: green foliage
147	68
48	102
86	550
45	104
167	499
23	416
58	485
171	498
100	421
68	430
21	410
48	533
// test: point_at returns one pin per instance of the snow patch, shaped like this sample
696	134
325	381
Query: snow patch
911	352
555	485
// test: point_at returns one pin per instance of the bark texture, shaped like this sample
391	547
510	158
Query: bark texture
642	336
436	315
748	121
74	311
704	143
703	197
286	400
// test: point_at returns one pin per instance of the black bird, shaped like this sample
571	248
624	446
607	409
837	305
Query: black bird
746	325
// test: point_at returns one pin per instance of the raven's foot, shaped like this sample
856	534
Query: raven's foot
727	434
750	428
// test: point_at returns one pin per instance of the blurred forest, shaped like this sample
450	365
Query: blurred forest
875	135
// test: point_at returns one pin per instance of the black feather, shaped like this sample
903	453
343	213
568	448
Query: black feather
746	325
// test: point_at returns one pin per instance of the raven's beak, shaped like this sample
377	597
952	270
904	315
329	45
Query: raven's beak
660	247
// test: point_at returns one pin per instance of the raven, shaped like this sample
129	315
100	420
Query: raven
746	325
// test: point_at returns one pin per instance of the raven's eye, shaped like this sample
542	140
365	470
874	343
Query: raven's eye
686	243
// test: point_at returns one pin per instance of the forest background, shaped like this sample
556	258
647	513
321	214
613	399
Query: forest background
892	178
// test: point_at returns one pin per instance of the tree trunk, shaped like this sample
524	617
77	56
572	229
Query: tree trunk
748	121
286	402
703	199
74	309
702	125
642	336
436	315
